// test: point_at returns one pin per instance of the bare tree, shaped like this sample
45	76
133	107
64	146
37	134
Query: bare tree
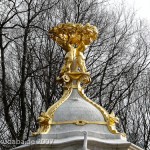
30	63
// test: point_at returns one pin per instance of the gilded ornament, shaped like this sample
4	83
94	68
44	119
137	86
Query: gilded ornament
74	39
44	124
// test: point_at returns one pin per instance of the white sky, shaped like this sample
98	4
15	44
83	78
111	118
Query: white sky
142	8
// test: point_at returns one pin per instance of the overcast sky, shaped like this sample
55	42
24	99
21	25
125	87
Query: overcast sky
142	8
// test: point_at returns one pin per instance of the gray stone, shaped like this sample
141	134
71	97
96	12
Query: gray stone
76	108
74	137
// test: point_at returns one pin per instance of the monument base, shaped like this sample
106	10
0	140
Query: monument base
76	142
78	145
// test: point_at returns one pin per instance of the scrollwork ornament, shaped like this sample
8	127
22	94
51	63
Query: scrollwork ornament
85	79
66	78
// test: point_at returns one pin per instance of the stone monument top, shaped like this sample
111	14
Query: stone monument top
75	122
74	39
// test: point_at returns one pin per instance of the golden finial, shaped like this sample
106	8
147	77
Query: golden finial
74	39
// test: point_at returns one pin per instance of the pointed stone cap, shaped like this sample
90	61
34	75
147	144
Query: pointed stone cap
67	134
76	114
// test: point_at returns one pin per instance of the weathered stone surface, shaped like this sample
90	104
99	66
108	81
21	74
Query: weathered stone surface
77	145
76	108
70	136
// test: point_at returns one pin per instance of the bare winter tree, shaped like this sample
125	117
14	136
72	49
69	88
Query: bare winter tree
30	63
16	22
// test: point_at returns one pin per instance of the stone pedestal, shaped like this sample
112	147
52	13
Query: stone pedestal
70	136
75	141
78	145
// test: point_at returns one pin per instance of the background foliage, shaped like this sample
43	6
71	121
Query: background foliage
30	62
